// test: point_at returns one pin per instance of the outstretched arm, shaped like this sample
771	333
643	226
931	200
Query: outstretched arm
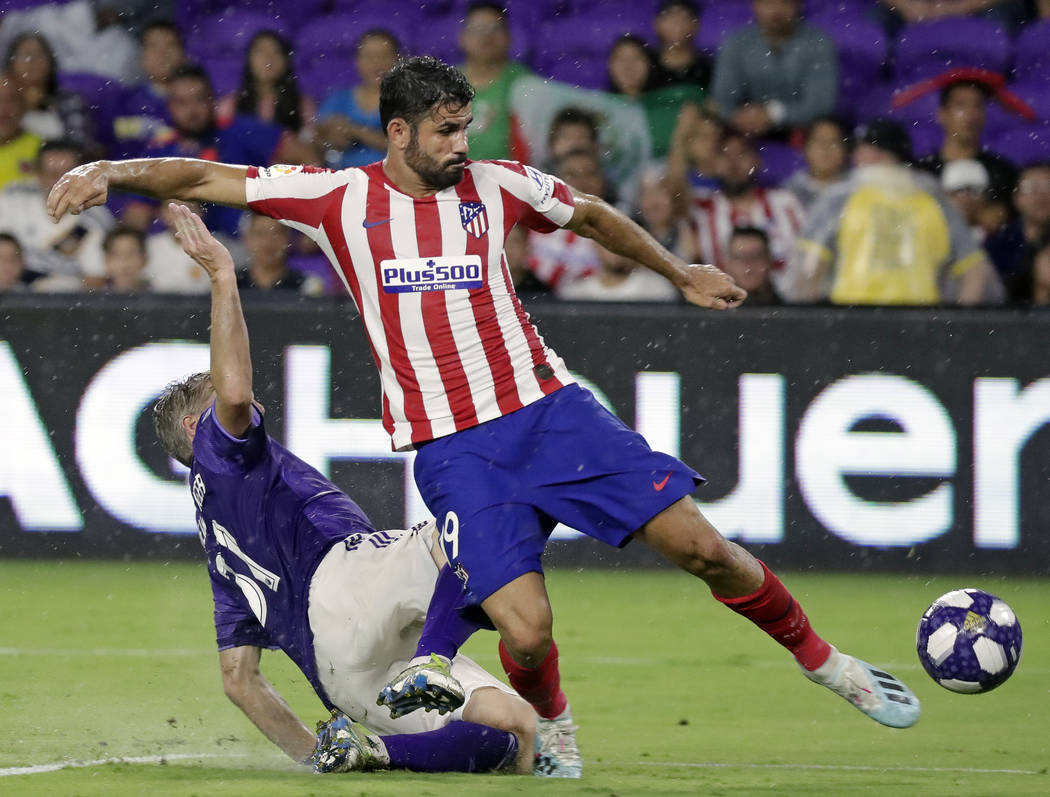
249	690
163	178
702	285
231	361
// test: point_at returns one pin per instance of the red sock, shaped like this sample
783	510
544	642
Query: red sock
773	610
540	686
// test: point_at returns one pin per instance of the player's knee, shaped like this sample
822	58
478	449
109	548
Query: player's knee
703	555
528	644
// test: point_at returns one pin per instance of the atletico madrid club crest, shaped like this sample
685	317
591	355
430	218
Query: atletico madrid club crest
475	219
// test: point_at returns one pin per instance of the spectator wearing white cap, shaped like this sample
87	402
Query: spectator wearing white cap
966	184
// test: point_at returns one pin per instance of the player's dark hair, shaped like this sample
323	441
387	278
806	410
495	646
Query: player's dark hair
51	87
286	109
749	231
418	86
120	231
165	25
192	71
179	399
980	85
573	116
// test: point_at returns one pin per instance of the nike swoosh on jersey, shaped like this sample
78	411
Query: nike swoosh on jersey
369	224
658	486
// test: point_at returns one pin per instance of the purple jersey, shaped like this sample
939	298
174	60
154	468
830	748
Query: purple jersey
266	519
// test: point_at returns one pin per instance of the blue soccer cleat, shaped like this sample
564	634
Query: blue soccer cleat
428	685
871	690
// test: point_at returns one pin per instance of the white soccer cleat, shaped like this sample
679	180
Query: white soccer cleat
557	755
875	692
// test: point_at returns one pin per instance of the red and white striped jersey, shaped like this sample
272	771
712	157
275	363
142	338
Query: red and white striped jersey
775	210
453	345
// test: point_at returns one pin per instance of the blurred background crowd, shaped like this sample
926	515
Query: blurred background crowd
852	152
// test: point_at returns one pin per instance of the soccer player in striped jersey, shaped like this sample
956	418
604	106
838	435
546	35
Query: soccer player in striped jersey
507	444
295	564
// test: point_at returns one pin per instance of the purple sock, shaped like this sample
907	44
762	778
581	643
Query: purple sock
458	747
447	625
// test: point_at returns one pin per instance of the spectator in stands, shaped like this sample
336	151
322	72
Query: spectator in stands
516	250
72	247
895	14
125	251
142	112
485	42
660	215
630	72
559	258
85	34
197	133
14	276
696	147
169	269
966	184
619	280
348	127
777	73
268	242
18	147
741	202
50	112
749	262
269	89
827	161
678	60
572	129
962	113
1030	287
1012	246
889	235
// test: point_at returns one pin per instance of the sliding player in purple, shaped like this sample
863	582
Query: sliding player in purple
296	565
507	443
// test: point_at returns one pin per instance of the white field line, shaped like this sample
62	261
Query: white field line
40	769
837	768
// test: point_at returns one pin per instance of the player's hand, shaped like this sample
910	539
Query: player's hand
707	286
78	189
199	243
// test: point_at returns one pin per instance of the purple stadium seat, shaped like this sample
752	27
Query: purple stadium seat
1032	52
718	20
332	39
863	48
929	48
1023	144
228	32
225	72
1037	94
439	37
327	75
562	53
779	161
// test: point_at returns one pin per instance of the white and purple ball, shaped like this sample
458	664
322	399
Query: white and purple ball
969	641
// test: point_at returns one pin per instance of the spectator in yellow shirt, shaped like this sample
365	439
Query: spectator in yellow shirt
18	148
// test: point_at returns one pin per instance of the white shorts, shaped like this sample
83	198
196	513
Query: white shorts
366	612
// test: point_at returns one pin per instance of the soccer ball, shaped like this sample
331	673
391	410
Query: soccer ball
969	641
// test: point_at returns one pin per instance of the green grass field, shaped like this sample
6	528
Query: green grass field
673	694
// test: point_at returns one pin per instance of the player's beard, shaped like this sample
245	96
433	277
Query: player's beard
432	173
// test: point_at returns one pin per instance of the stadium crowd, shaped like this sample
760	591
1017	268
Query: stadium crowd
852	152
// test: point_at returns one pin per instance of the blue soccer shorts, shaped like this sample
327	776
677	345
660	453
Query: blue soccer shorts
498	489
